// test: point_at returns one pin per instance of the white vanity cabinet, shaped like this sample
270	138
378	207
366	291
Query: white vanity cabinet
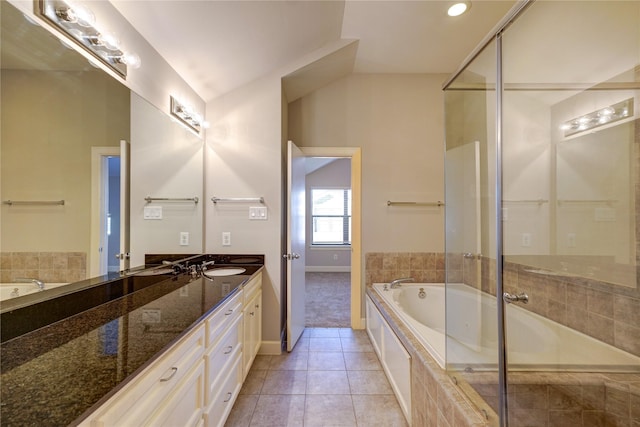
394	358
169	389
197	380
252	314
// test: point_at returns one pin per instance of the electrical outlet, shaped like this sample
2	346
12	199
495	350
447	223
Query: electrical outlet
184	238
226	238
335	257
571	240
526	240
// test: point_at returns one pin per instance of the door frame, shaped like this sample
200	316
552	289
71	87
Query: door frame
98	208
355	154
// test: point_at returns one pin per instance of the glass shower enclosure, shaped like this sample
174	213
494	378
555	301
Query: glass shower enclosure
542	185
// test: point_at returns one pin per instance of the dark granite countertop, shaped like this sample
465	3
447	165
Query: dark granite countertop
58	374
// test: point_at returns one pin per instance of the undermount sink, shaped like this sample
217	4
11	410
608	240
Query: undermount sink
224	271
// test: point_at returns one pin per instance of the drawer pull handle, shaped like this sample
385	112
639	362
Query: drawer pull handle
173	372
251	313
257	305
229	394
229	312
229	349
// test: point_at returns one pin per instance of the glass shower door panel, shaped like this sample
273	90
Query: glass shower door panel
571	168
471	324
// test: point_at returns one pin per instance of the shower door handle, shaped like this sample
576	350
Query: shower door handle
521	297
291	256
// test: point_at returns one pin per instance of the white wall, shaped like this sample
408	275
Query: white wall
398	121
243	159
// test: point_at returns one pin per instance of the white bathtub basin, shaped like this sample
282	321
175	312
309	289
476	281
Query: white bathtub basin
533	342
14	290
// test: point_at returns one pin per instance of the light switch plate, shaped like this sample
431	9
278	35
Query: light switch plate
258	213
152	212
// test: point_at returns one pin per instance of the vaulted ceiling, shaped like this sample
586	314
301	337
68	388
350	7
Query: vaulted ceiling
217	46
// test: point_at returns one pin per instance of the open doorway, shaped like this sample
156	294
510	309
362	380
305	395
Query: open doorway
328	237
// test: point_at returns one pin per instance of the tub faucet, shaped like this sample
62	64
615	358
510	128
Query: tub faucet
38	283
396	283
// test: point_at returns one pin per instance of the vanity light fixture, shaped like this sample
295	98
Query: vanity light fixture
458	8
78	23
186	115
603	116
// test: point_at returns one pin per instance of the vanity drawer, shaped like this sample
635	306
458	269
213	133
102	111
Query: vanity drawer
222	318
220	357
138	400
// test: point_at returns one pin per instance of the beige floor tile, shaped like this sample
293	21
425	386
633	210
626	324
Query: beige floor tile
326	361
285	382
369	382
261	362
254	382
301	345
356	343
327	382
329	410
294	361
240	415
375	410
325	344
361	361
279	410
323	332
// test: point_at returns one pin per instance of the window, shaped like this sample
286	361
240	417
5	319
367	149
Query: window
331	216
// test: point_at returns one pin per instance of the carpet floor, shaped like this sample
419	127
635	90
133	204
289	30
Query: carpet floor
328	300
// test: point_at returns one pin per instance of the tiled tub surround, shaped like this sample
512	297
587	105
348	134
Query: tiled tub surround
54	267
425	267
58	372
606	312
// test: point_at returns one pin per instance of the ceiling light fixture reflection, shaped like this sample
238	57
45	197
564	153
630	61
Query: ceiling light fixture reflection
458	9
78	23
603	116
186	115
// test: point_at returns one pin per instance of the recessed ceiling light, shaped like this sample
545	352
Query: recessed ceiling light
458	8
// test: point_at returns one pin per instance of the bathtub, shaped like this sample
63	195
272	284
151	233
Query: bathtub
14	290
534	342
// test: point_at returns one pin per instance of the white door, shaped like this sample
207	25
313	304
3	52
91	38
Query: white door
295	245
125	176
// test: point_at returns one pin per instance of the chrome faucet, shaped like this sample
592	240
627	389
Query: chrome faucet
38	283
396	283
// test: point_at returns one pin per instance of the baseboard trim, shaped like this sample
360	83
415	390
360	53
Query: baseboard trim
328	269
270	348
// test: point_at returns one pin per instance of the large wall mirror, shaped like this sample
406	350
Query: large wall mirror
66	130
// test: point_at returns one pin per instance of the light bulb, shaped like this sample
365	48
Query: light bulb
109	40
132	60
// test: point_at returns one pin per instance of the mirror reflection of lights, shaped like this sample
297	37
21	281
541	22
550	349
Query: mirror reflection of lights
602	116
79	23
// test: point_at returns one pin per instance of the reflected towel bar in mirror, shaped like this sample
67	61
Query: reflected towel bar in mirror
438	203
34	202
215	199
150	199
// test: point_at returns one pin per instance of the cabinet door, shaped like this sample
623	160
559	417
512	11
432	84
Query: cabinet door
222	402
252	335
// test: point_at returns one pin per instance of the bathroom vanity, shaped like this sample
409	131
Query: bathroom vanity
172	347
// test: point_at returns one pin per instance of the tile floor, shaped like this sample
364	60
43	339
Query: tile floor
331	378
